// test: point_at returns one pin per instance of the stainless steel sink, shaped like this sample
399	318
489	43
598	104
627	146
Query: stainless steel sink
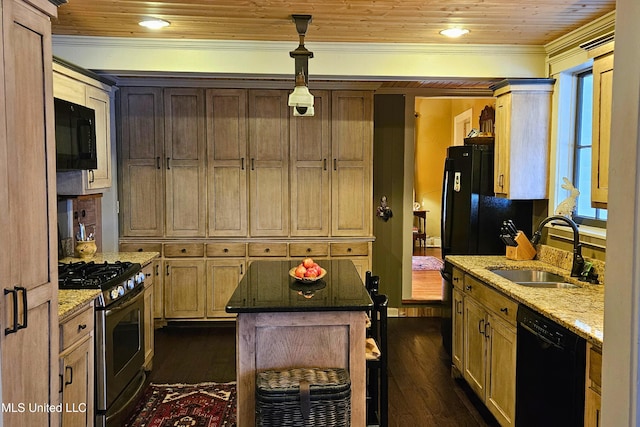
535	278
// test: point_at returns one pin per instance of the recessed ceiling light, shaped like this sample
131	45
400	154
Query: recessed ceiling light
454	32
154	23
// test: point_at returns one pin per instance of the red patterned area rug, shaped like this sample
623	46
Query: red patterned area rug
182	405
425	263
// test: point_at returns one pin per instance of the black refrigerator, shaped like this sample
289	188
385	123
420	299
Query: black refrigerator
472	216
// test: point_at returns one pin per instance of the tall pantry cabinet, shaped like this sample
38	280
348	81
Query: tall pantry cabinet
255	182
28	261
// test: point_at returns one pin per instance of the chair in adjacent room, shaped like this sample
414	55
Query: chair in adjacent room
376	352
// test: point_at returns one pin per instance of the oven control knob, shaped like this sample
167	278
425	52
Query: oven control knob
114	293
140	277
130	284
120	290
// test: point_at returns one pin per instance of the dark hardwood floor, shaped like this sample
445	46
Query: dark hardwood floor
421	390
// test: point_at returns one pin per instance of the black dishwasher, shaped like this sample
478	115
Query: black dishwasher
550	373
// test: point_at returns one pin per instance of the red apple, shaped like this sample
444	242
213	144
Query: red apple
311	273
300	271
308	263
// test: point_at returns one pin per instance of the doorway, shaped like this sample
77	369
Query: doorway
439	123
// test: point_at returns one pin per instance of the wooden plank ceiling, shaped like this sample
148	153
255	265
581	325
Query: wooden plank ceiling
520	22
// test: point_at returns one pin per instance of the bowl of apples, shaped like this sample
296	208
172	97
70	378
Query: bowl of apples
308	271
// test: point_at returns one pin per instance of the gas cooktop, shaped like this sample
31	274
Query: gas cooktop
89	275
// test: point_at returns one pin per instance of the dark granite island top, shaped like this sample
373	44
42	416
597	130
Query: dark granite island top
268	287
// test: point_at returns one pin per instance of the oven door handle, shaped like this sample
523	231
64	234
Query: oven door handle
124	306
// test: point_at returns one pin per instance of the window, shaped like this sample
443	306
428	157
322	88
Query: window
584	213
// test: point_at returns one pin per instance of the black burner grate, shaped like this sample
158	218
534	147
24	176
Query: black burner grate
91	275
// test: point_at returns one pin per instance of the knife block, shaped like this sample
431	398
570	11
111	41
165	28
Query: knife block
524	250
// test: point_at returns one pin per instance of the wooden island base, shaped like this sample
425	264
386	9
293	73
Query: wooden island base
320	339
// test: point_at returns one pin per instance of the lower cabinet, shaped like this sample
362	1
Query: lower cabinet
194	279
222	279
484	346
77	369
592	404
149	296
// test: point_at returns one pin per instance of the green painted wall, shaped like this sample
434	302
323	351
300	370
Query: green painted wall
388	179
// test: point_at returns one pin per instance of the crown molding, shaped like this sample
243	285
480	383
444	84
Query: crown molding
602	27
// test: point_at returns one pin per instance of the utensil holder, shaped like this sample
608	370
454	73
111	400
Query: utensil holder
85	248
524	250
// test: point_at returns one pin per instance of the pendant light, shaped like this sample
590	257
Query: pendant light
301	99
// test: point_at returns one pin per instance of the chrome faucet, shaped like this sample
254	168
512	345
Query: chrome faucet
578	261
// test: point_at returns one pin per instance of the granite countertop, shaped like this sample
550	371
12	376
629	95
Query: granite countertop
268	287
70	301
579	309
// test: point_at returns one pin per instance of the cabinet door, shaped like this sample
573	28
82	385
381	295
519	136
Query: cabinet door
223	277
523	117
77	382
226	111
601	129
351	182
269	163
475	346
501	360
310	170
501	147
457	347
149	296
185	162
141	159
100	101
158	293
30	359
184	289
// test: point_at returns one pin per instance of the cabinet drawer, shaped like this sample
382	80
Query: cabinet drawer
457	278
308	249
141	247
176	250
268	249
226	249
350	249
79	326
493	300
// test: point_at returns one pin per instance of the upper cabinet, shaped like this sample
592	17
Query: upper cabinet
82	87
522	132
601	123
233	163
351	147
141	160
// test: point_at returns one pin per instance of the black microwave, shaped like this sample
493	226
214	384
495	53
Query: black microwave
75	136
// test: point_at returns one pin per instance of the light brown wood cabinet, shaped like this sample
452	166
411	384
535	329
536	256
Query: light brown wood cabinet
488	341
28	265
310	170
593	389
351	146
141	161
601	125
77	368
184	155
149	307
184	288
268	163
79	86
226	118
522	133
223	276
457	344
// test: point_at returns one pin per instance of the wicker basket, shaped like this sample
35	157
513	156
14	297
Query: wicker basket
319	397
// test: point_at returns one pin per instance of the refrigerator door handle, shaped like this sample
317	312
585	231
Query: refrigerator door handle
445	226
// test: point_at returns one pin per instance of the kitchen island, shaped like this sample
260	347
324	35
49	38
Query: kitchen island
283	323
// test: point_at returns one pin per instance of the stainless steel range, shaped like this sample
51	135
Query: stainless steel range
119	336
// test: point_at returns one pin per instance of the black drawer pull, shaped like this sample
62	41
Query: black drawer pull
267	250
183	250
505	310
225	250
81	327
